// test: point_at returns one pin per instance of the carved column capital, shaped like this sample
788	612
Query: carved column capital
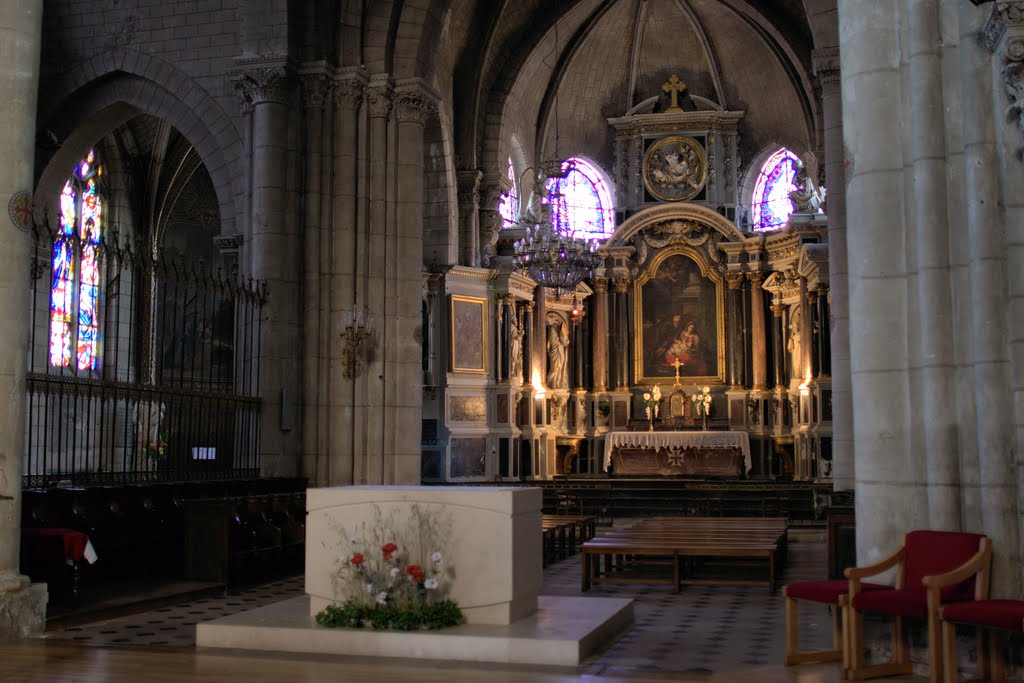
777	310
621	284
756	278
260	82
825	63
316	87
379	100
600	285
349	89
414	106
734	280
1005	14
469	187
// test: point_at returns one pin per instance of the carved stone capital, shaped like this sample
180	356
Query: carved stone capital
600	285
490	195
621	285
1005	14
316	87
469	188
734	280
756	278
260	84
349	90
777	310
413	106
379	100
825	63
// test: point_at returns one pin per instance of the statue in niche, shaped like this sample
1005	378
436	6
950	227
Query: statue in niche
536	211
793	346
515	352
558	343
809	196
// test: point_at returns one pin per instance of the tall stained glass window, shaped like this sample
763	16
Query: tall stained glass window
585	208
771	206
75	287
509	207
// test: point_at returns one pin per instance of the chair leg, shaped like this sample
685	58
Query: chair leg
791	624
855	639
984	639
934	649
837	628
995	657
949	652
899	645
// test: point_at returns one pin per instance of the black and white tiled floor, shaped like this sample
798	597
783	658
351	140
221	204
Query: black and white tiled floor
701	629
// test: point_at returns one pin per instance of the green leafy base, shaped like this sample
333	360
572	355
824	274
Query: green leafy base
349	615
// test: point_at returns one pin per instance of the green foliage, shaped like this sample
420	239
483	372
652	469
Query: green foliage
381	617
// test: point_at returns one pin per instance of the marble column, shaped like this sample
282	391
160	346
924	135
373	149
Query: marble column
347	98
276	258
826	66
22	604
414	108
371	278
870	48
734	331
778	351
469	216
622	327
600	331
989	280
315	88
759	347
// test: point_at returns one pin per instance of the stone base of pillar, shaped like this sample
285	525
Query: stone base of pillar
22	607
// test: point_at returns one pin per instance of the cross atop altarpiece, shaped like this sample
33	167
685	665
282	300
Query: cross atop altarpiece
677	364
674	88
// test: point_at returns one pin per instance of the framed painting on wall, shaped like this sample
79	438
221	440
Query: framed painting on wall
679	318
468	334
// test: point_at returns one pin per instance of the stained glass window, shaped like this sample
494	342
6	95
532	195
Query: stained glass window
75	287
585	202
771	206
509	207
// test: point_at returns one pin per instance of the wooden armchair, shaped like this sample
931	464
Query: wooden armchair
989	617
934	567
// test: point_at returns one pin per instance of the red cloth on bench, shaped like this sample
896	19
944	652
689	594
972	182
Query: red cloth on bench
75	542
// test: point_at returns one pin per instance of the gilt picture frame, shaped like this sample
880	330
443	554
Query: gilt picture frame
468	334
679	315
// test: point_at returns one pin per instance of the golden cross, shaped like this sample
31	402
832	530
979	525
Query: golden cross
674	87
677	364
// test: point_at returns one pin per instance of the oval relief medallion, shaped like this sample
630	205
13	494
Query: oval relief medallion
675	168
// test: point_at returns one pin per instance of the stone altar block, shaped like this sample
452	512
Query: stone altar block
495	547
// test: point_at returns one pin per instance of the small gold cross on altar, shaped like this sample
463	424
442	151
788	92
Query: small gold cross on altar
674	88
677	364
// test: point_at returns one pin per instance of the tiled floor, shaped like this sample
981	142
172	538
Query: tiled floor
699	630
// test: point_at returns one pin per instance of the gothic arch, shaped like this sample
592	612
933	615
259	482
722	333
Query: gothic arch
664	213
97	95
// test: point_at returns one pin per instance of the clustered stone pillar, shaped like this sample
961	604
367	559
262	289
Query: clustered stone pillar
22	605
347	97
757	324
600	334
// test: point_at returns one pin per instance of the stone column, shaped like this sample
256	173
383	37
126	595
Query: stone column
778	352
371	278
22	604
621	332
600	333
757	324
277	260
826	69
871	51
734	332
994	251
403	407
815	313
825	364
502	343
315	88
469	216
344	429
491	188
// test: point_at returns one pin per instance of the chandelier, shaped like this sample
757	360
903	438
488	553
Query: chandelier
550	252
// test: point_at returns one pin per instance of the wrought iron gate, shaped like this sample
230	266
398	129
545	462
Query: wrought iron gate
172	390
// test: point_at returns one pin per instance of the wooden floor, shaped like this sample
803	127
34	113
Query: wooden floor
41	660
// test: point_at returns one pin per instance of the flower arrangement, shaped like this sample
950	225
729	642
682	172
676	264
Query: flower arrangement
702	401
652	401
391	577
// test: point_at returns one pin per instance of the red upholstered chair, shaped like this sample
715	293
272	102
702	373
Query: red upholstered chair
934	567
834	593
985	615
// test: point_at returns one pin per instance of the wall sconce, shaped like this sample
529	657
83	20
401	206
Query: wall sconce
357	328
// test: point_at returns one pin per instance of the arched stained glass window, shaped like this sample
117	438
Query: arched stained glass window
771	206
75	284
509	207
585	201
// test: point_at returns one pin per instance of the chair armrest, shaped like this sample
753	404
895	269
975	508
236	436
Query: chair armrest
857	573
978	563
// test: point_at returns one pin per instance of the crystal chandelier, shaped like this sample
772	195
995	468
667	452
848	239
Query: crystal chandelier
550	253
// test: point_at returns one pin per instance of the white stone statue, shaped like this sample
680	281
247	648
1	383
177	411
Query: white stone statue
558	343
515	351
809	196
536	211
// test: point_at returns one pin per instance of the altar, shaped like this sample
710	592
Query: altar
699	453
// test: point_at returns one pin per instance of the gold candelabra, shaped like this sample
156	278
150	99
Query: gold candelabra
357	329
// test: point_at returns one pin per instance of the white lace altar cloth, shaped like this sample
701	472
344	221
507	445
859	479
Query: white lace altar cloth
659	440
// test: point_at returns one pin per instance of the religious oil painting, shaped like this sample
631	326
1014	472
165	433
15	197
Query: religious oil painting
468	334
680	322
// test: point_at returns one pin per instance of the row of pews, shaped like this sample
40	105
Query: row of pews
689	550
563	535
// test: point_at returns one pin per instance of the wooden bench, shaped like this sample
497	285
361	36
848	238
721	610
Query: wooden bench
562	534
686	542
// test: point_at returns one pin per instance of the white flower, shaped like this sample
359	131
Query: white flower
394	572
436	557
382	598
655	410
707	390
431	583
647	411
647	396
369	589
657	392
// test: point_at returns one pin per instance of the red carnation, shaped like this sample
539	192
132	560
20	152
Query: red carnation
357	559
415	572
388	550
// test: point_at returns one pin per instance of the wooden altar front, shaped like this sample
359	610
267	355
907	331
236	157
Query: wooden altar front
717	454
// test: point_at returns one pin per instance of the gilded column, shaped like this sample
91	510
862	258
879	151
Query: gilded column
414	107
315	88
600	333
22	604
469	216
343	239
621	285
757	323
735	325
